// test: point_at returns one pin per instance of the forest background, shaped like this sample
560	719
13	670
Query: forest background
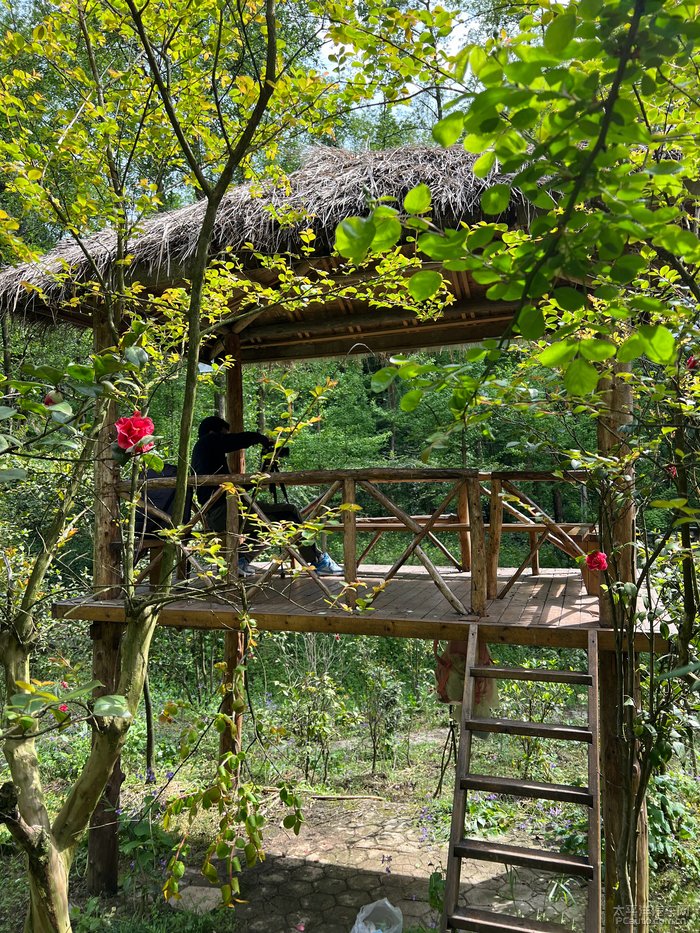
311	692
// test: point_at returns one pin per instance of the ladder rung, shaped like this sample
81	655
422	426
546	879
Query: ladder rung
469	919
539	676
526	858
519	788
538	729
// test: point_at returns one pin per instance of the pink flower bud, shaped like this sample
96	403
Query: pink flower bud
691	362
63	708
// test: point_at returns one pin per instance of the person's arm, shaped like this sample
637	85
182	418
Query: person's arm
243	440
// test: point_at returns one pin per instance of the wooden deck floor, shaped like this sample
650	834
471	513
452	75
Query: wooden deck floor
552	609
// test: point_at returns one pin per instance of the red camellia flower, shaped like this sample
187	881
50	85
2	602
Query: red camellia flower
133	429
63	708
64	684
597	560
691	362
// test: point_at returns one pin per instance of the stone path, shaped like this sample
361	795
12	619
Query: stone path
350	853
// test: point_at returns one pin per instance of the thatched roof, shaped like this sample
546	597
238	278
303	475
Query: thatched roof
332	184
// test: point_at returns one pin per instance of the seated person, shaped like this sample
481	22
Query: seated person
209	457
147	522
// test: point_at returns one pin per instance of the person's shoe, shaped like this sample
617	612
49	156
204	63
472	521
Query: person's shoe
327	567
244	568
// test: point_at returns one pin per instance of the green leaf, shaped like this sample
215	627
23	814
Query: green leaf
12	476
495	199
569	298
596	350
448	130
484	163
411	400
423	285
137	356
559	33
383	378
353	237
631	349
626	268
7	412
558	353
677	503
81	373
659	342
681	671
530	323
418	199
580	378
388	233
112	705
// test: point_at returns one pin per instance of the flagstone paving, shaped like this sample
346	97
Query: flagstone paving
350	853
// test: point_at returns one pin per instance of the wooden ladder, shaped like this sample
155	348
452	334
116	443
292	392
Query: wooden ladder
466	918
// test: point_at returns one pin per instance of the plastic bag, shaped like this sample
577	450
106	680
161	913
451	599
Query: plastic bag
380	917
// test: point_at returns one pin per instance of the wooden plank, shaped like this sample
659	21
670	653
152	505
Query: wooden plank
537	676
540	730
537	859
494	544
468	918
200	615
515	787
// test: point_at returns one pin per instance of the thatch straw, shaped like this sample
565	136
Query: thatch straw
332	184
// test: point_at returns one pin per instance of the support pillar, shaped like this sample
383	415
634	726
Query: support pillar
103	840
618	529
234	642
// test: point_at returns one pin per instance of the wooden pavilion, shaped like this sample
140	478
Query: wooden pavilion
474	598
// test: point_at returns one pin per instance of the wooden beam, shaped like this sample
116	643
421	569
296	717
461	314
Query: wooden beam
407	338
350	539
494	549
478	543
464	534
198	614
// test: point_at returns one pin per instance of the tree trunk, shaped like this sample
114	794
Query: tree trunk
620	780
48	890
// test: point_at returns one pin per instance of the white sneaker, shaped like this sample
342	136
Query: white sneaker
327	567
244	568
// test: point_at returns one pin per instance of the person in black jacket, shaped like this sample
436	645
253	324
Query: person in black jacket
215	441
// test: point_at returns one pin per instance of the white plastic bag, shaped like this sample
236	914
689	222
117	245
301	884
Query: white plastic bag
380	917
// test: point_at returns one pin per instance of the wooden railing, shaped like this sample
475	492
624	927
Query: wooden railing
460	512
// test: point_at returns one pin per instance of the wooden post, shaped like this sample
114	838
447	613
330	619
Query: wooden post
103	840
495	525
478	588
463	519
535	554
349	538
618	528
234	642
